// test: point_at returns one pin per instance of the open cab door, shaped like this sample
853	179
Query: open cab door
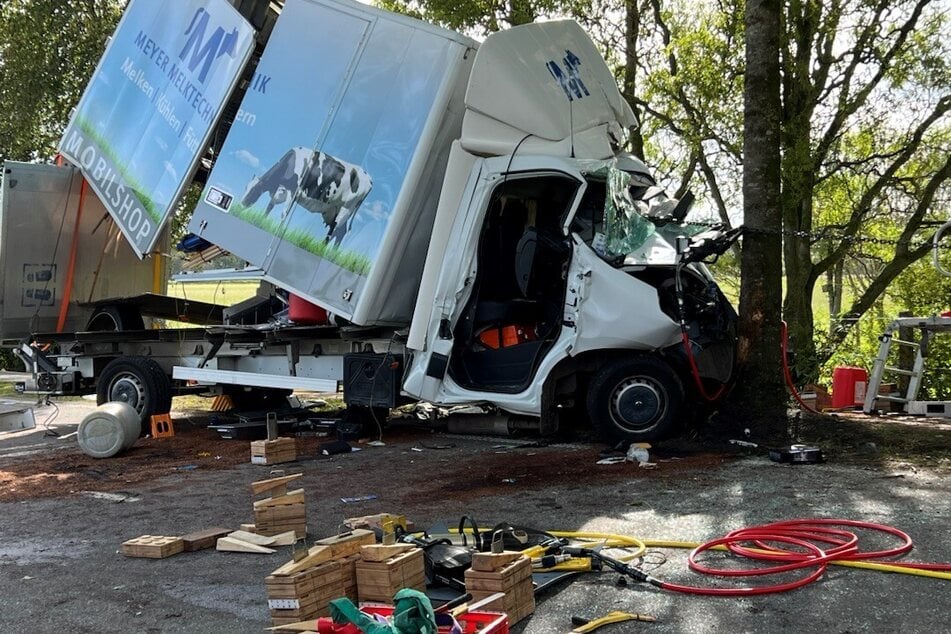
498	306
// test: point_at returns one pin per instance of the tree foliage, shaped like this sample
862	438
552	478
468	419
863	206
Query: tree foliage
481	17
866	136
48	51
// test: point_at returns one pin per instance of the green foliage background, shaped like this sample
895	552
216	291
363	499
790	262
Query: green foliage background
48	51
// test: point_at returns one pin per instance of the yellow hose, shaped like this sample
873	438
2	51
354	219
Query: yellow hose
639	546
866	565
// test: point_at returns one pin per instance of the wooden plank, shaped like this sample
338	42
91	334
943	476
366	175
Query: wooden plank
382	552
200	540
229	544
261	486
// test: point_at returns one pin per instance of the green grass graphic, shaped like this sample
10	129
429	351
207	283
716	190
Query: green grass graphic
150	206
355	262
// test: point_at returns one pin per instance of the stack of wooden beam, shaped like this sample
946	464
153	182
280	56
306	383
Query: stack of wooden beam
385	569
509	573
303	589
282	510
273	451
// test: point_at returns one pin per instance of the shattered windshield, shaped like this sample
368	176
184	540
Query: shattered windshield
621	210
625	228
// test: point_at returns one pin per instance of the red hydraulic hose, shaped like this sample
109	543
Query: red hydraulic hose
696	372
812	543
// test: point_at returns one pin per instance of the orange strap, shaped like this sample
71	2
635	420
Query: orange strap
71	268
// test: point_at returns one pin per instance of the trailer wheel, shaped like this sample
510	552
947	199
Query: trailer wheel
115	317
138	381
635	400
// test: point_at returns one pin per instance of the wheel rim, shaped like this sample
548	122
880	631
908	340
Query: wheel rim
128	388
103	322
637	403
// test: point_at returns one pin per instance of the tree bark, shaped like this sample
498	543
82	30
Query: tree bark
759	398
632	29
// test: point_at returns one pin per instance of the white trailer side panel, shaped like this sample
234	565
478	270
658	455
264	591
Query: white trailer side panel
330	175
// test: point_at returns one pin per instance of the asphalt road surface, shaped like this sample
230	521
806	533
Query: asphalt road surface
65	517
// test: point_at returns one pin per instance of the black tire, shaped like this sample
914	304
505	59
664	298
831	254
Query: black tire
635	400
138	381
114	318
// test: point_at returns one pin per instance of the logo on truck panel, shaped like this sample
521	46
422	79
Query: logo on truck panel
568	77
204	51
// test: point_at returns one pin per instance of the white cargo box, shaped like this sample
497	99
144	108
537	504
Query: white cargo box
329	178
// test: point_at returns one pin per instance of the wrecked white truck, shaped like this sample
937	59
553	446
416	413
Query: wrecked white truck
449	221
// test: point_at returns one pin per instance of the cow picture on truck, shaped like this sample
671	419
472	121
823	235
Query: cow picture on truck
467	229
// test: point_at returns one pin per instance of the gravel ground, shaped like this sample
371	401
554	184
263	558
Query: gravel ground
60	568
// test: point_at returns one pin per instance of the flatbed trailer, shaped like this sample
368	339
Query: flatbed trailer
146	367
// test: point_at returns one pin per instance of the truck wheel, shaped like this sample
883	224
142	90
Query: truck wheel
138	381
635	400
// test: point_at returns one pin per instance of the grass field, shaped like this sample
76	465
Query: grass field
222	293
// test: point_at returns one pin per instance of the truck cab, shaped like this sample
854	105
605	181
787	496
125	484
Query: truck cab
563	293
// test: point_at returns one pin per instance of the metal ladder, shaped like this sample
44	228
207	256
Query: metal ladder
928	326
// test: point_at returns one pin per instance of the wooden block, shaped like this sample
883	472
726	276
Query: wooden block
153	546
230	544
291	586
507	575
252	538
292	497
286	538
247	527
329	548
261	486
377	521
199	540
346	544
382	552
517	603
273	451
272	529
492	562
300	627
379	581
316	555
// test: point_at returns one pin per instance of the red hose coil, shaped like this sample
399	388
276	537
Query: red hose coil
815	543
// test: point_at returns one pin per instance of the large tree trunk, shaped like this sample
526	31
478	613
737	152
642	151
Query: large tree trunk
759	399
632	29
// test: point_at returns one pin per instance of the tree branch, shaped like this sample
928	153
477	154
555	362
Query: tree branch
848	106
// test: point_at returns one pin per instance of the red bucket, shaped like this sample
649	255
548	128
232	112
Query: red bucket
848	386
304	313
